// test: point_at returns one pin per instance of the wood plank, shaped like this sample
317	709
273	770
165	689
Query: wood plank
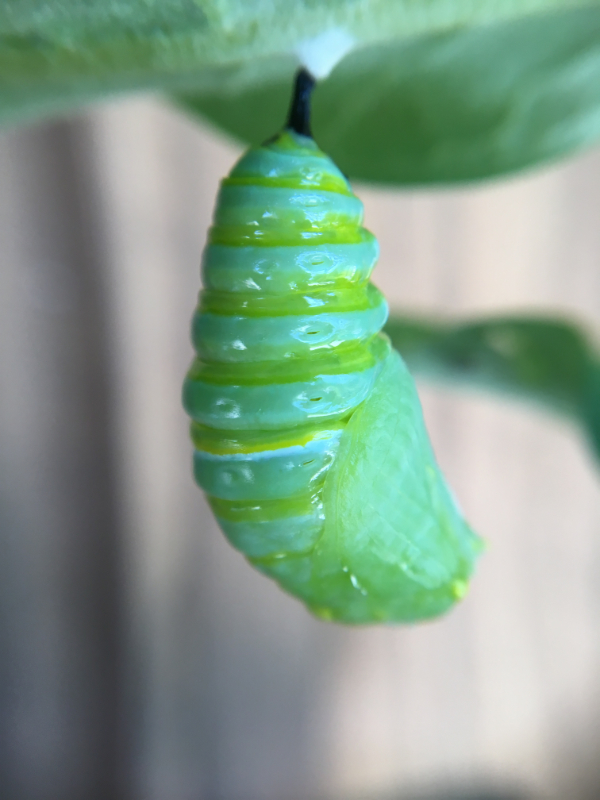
58	569
233	690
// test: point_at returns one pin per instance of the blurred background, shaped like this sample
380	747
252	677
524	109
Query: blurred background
140	656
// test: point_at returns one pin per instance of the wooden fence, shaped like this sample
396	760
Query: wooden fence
140	657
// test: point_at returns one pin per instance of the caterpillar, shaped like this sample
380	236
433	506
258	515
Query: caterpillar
308	434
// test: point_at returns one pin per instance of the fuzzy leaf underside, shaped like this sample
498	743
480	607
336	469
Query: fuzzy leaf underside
437	91
457	106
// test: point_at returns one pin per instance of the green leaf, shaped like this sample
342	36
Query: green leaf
57	55
545	361
591	406
457	106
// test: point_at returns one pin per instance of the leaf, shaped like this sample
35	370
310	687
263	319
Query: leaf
591	406
463	105
55	56
546	361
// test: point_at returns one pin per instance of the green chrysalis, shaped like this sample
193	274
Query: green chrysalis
308	433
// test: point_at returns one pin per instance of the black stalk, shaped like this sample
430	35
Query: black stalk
299	116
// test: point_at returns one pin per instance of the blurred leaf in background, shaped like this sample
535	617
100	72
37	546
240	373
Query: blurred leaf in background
546	361
436	91
463	105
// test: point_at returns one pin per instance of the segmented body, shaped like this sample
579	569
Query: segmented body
288	344
287	340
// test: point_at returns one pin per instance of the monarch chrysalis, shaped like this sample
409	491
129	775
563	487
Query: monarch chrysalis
308	432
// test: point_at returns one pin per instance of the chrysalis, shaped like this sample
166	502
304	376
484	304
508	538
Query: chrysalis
308	433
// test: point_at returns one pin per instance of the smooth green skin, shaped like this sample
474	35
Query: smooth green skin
395	547
545	361
217	340
308	433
